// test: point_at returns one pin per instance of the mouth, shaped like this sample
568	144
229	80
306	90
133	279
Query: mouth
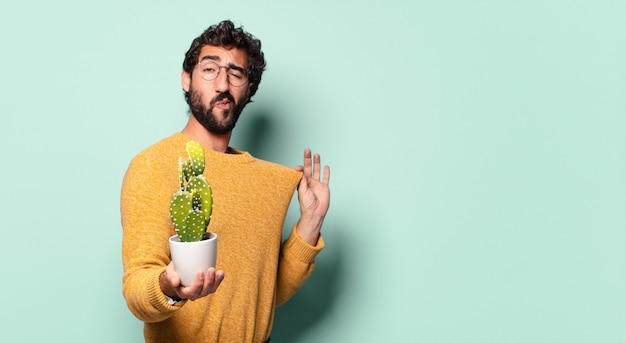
223	101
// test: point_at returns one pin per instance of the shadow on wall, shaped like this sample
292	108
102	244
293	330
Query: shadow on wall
253	134
316	297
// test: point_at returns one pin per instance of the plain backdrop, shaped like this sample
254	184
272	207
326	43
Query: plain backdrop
477	150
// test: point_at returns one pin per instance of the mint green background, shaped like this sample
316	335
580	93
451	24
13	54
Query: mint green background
478	158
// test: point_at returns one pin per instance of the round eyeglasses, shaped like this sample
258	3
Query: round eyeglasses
209	70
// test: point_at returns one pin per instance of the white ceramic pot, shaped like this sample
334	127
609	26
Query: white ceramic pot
192	257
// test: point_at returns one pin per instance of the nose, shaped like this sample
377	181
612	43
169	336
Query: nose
221	81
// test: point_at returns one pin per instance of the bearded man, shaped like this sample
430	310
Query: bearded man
256	271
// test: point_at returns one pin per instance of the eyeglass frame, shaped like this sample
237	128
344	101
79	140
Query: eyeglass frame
228	67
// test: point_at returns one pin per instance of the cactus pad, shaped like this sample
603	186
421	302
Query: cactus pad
196	157
195	227
203	196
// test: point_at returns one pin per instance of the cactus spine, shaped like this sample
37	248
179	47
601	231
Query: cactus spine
192	205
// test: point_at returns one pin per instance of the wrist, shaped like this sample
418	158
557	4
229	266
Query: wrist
310	222
309	230
172	301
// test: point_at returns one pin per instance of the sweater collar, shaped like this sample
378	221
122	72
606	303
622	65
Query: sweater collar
234	156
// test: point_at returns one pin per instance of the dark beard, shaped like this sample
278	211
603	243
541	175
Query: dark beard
208	119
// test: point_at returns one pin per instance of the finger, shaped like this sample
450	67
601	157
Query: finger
316	166
169	270
193	291
209	280
175	281
219	277
326	174
214	279
172	275
303	184
307	162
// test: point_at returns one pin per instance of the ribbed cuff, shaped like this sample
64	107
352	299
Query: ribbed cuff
301	249
157	298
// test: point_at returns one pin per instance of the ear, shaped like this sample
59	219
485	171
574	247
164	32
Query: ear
185	80
248	92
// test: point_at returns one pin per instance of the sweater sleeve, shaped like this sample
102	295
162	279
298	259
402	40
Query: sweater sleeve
145	246
296	263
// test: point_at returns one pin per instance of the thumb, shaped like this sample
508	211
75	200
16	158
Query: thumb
172	275
175	280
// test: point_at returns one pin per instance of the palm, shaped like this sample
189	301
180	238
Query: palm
313	191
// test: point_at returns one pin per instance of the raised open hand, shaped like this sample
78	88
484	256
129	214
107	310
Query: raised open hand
313	196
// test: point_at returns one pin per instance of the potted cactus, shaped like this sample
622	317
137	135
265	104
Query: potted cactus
193	249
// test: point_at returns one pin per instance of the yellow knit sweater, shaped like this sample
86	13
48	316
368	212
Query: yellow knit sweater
251	198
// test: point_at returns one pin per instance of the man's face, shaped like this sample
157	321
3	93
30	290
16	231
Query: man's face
217	104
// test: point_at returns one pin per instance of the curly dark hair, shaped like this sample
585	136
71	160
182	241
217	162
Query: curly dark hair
226	35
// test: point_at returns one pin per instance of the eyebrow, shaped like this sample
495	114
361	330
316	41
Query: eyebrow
217	59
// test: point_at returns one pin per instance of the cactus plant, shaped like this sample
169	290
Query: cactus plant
192	205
